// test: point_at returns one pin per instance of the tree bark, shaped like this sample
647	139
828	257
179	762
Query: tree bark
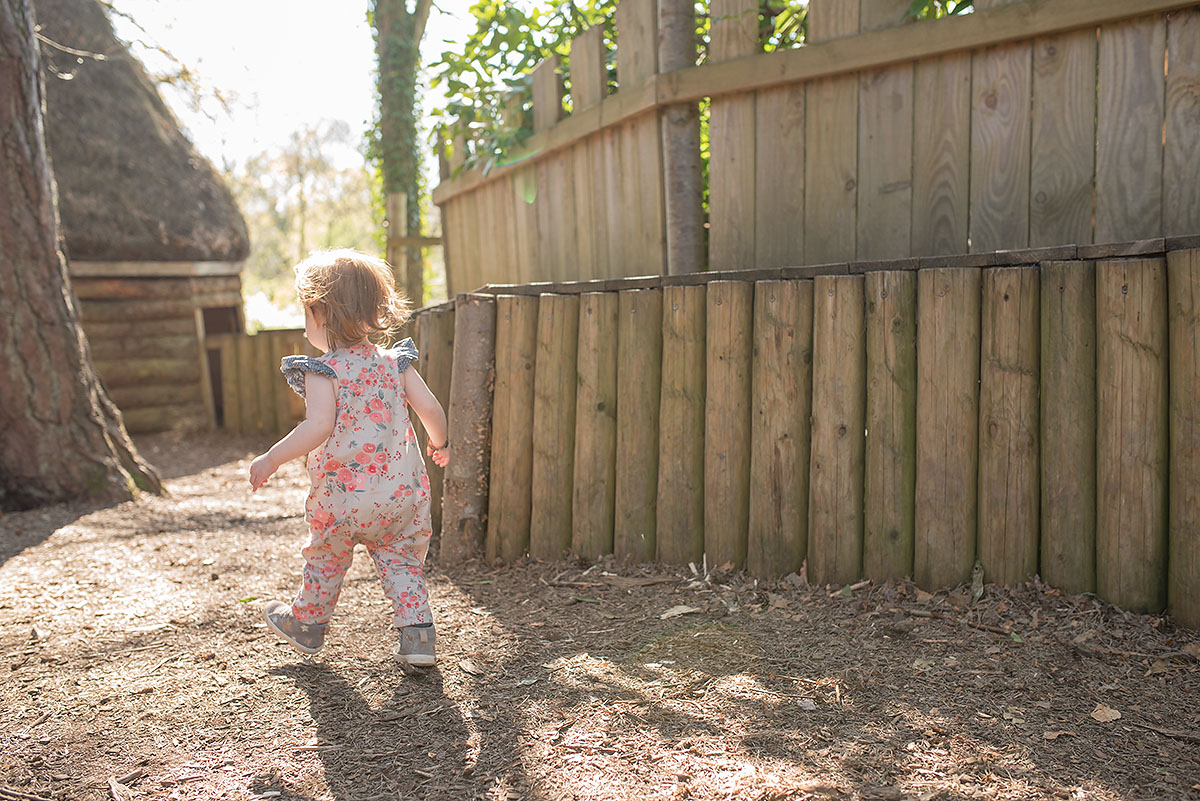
682	176
62	437
397	46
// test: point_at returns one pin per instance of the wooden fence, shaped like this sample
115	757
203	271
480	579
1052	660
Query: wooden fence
1038	411
1024	124
250	394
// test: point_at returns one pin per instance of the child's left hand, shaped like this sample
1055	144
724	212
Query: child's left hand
261	469
440	456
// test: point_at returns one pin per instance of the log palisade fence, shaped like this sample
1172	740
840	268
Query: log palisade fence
1037	411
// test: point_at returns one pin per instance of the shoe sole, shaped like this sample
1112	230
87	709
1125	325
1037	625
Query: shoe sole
303	649
418	660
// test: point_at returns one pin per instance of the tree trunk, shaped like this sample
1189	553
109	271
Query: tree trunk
397	47
682	175
62	436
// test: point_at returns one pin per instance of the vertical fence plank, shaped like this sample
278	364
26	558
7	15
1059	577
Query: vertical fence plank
731	161
1063	139
831	19
589	74
1008	426
680	525
782	406
639	370
554	425
831	169
465	490
619	184
947	425
1129	137
248	385
511	474
779	176
524	222
1068	423
874	15
595	426
547	93
287	414
1131	433
265	372
1001	85
231	377
729	344
436	367
941	154
835	505
885	163
1181	190
1183	585
889	483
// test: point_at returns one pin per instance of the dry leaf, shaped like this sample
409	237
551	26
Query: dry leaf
1054	735
1192	649
470	667
676	611
924	596
921	663
1162	666
1105	714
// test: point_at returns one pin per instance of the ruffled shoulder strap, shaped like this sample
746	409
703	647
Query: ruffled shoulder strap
405	353
294	368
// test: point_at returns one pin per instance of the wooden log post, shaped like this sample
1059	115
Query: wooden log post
1008	426
595	427
680	524
890	474
1183	584
465	498
510	496
1132	437
1068	425
554	383
436	333
947	426
727	416
835	505
781	406
639	371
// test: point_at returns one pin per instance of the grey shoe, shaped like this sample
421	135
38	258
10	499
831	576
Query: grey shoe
416	647
307	638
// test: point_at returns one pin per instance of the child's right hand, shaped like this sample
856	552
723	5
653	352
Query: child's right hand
261	469
440	456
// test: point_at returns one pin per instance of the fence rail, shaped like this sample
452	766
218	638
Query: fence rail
1037	415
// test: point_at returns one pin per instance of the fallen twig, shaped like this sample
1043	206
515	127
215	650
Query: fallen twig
17	795
1178	734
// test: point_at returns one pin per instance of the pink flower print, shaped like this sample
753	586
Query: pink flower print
380	457
425	481
376	403
322	519
373	469
345	476
362	458
376	417
369	447
332	466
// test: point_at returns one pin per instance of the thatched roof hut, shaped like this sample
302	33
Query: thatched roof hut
131	187
153	237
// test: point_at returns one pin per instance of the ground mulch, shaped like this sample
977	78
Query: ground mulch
134	664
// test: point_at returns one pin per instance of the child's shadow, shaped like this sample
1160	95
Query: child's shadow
415	744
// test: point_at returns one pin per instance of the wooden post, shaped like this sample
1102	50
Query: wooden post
728	398
465	499
781	408
1132	437
596	426
406	271
639	370
1068	425
680	525
1008	426
1183	585
554	382
512	428
947	426
436	346
835	505
206	383
230	377
889	483
682	174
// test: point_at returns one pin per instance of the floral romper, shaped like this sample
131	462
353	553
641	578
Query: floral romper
369	484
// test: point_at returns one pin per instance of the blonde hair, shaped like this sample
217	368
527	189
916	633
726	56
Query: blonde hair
356	292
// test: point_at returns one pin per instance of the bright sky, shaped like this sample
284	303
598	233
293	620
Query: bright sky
288	64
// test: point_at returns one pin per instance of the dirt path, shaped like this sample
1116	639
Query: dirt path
131	647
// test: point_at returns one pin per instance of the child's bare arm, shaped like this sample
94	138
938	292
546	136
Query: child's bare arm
433	417
321	410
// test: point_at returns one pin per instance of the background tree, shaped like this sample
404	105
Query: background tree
62	436
398	33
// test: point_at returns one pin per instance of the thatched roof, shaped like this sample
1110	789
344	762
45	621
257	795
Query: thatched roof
131	187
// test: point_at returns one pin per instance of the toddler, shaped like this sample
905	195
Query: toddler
369	483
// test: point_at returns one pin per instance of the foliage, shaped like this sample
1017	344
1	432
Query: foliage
299	198
935	9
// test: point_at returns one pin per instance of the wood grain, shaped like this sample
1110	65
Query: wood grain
1181	190
941	149
595	427
1183	585
885	163
779	176
831	169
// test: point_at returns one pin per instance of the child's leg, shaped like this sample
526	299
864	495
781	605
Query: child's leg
326	560
399	561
